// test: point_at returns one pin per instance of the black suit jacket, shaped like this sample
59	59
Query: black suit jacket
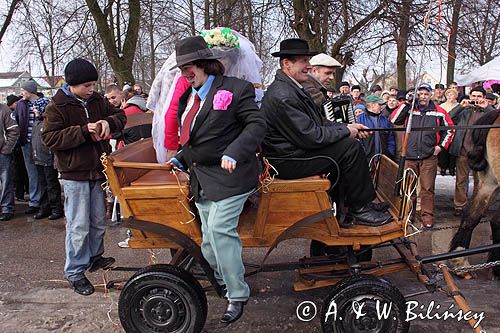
235	132
294	122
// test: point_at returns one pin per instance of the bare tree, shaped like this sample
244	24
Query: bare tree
452	44
322	22
8	18
478	35
119	47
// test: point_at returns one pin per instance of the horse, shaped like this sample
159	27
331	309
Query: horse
485	159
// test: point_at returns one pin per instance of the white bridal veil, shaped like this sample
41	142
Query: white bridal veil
241	62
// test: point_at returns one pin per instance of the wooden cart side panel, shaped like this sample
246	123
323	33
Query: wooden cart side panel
387	181
116	188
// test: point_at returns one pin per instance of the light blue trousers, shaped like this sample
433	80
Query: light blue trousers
221	244
85	225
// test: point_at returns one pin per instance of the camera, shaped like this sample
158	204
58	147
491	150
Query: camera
473	102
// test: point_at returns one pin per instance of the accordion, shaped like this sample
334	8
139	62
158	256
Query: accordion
339	109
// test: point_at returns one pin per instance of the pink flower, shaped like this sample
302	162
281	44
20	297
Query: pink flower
222	99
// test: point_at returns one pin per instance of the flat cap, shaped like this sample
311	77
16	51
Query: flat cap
324	60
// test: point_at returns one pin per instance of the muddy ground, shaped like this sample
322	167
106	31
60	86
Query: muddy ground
34	297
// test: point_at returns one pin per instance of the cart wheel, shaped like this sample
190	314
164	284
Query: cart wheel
162	298
339	316
318	249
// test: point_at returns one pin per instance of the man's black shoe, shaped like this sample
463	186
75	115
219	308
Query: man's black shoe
82	286
101	263
56	216
41	215
233	312
366	215
32	210
6	216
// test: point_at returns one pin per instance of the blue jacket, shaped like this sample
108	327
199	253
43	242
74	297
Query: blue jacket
378	142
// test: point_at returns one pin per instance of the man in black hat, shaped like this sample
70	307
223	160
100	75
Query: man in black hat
12	101
221	129
438	96
296	131
376	89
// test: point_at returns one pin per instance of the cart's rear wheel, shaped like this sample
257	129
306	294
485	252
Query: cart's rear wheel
339	316
318	249
162	298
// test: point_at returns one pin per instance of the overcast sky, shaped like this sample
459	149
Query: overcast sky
8	55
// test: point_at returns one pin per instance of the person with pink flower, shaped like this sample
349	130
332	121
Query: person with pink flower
221	128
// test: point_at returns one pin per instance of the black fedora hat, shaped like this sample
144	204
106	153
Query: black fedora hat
294	46
190	49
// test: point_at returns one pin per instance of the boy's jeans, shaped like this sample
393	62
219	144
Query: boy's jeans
85	215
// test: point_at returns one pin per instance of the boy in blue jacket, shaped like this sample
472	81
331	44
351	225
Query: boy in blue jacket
378	142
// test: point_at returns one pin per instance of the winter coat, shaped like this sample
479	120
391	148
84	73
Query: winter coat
294	122
67	135
421	144
9	130
387	143
460	116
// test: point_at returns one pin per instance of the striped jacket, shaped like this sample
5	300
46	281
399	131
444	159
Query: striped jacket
421	144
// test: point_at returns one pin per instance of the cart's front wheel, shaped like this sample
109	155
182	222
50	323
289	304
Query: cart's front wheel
364	304
162	298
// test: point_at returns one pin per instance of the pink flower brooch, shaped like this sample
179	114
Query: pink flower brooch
222	99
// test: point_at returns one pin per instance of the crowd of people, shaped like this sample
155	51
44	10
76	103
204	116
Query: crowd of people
213	120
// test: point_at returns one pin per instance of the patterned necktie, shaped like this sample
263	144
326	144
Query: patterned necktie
186	125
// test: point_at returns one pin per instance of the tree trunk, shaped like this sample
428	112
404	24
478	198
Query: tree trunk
121	61
401	42
8	18
207	14
152	48
452	45
192	24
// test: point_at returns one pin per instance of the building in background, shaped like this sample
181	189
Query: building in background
10	83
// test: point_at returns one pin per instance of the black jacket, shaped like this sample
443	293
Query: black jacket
235	132
460	116
421	144
294	122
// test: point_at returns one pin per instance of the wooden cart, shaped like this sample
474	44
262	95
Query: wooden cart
155	206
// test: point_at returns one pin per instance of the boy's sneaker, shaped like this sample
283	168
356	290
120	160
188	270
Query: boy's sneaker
124	243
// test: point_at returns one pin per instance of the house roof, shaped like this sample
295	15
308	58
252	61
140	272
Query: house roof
41	82
5	83
14	75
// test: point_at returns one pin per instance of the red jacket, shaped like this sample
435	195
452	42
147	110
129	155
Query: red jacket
171	141
421	144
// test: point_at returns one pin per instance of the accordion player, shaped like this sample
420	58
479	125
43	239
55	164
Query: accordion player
339	109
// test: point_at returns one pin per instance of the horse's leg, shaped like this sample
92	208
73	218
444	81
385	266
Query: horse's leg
494	255
474	211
